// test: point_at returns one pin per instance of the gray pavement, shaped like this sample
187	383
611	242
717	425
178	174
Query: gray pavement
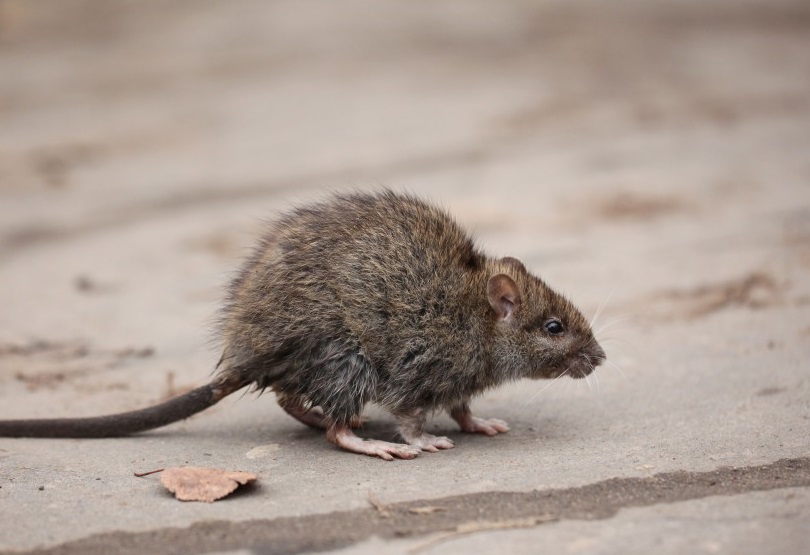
651	158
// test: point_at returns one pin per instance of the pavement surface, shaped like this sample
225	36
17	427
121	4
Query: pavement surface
651	160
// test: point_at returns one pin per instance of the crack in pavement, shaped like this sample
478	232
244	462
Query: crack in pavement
289	535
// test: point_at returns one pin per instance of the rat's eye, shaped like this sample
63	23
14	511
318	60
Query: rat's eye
554	327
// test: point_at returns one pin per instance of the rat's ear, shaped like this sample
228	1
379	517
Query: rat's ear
514	262
503	296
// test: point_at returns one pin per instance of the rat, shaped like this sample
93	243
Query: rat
372	298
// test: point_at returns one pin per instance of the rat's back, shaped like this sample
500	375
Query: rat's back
361	233
339	296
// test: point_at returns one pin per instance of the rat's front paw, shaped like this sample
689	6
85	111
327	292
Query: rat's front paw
429	442
490	427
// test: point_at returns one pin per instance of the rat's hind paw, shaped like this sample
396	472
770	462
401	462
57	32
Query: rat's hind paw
387	451
383	449
343	437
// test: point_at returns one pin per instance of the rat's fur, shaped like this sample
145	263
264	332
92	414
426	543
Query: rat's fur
383	298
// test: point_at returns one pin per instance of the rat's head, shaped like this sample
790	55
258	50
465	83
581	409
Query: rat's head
538	332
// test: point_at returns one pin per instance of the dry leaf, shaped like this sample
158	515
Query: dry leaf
190	483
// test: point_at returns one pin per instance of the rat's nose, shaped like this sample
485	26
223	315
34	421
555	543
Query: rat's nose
597	355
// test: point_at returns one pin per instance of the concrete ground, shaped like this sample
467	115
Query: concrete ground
649	158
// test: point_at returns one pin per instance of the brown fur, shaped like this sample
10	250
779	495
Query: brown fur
383	298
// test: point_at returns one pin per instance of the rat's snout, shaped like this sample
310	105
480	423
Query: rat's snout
590	358
597	356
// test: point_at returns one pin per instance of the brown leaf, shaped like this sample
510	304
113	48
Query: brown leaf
190	483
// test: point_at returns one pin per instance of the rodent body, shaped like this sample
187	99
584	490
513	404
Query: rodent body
377	298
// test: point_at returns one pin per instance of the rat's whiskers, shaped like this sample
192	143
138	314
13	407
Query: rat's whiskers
603	305
611	323
616	367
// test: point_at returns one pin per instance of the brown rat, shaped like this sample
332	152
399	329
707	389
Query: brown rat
372	298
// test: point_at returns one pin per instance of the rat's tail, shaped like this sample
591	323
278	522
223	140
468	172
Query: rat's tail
126	423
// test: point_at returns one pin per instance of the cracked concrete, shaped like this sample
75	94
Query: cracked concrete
651	158
459	516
